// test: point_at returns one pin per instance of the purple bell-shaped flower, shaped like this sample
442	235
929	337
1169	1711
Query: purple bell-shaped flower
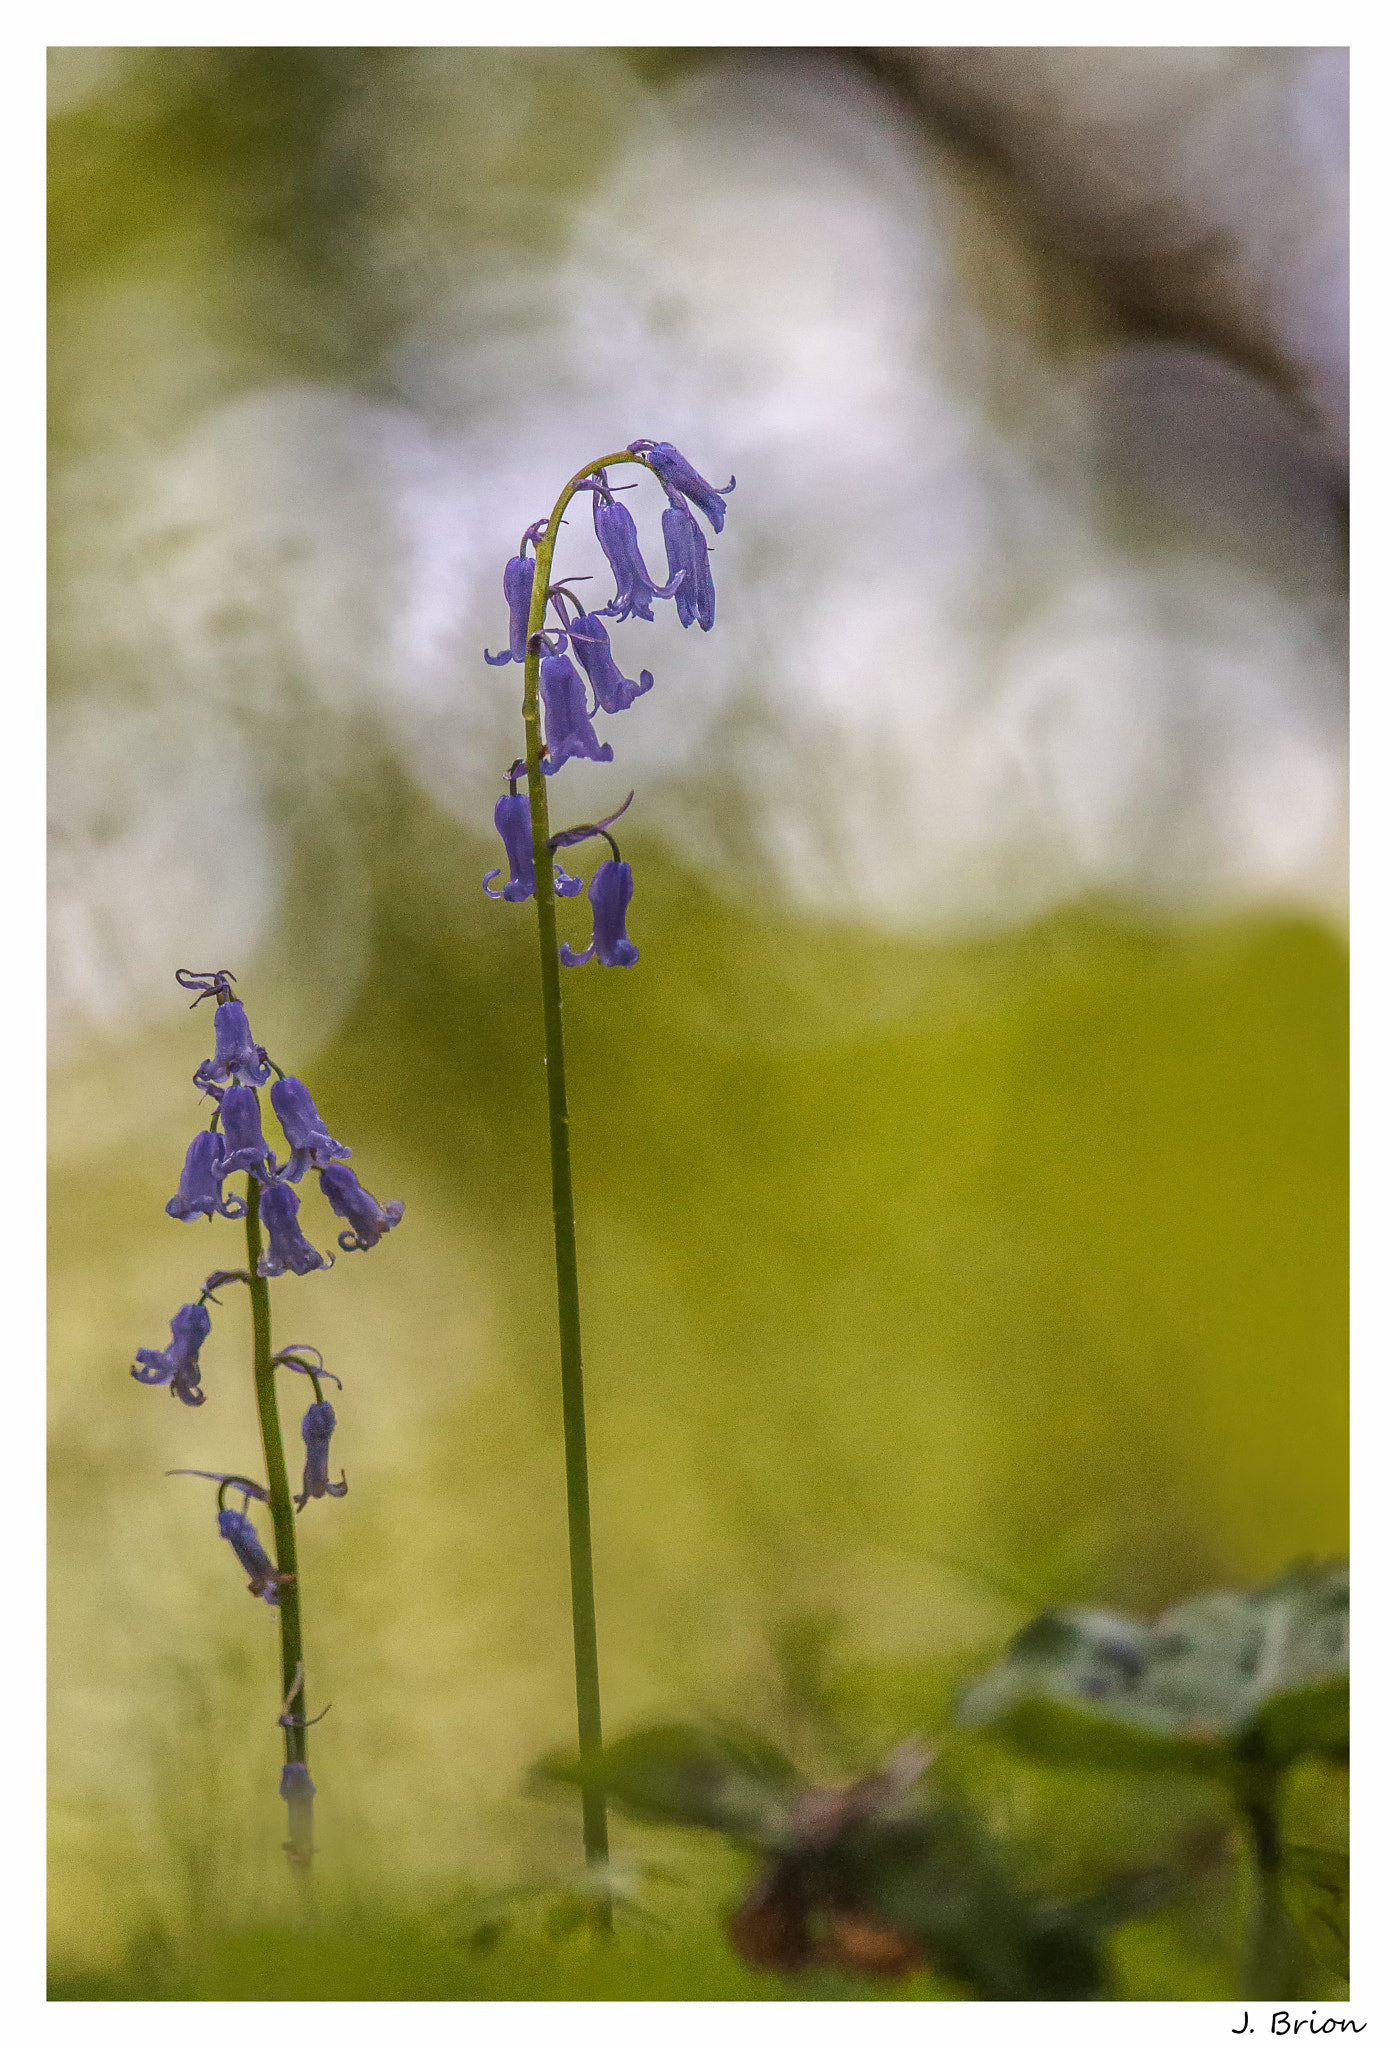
310	1142
177	1367
263	1578
245	1150
236	1058
317	1428
200	1183
615	529
677	473
513	820
289	1250
687	550
612	887
591	644
570	732
518	591
369	1219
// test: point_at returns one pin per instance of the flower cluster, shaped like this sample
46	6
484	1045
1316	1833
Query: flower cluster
581	637
235	1143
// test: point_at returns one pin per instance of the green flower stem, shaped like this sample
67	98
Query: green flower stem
301	1845
1271	1962
569	1312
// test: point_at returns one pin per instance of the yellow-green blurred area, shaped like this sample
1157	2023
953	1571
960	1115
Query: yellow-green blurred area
961	1173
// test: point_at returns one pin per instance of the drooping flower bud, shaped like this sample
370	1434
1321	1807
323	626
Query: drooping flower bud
289	1250
317	1427
200	1189
368	1218
570	732
177	1367
612	887
310	1142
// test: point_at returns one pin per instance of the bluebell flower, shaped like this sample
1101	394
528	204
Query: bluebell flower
177	1367
245	1150
591	644
570	733
687	550
518	590
235	1057
615	529
310	1142
262	1576
317	1428
612	887
678	474
358	1208
513	820
288	1249
296	1782
200	1190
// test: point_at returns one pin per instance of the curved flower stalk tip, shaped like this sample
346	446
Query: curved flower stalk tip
317	1427
293	1356
695	600
612	887
677	473
201	1190
571	734
591	644
306	1134
620	543
245	1150
177	1366
237	1059
513	820
289	1250
369	1220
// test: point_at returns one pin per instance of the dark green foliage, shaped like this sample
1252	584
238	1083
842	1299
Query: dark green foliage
720	1776
1315	1887
1264	1672
869	1878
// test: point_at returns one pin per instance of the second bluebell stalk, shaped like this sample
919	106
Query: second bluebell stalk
554	692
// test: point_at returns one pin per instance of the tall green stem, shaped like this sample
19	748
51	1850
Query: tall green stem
301	1844
1271	1963
569	1311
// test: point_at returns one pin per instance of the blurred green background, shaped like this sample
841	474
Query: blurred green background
940	1258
